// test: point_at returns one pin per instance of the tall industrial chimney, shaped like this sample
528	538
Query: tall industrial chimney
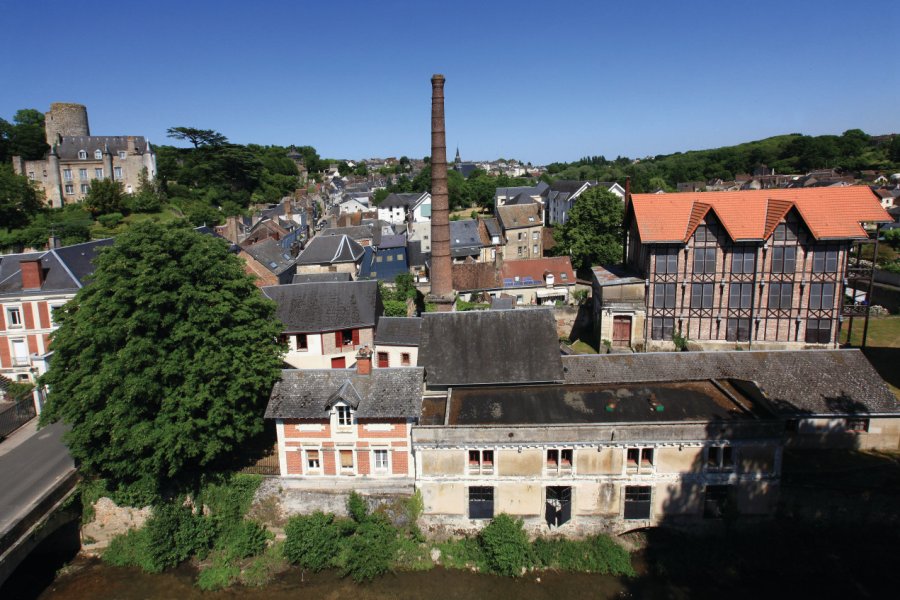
441	278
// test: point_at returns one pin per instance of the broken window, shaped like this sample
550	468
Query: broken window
404	359
720	458
312	460
559	460
347	337
639	459
860	425
481	461
301	342
481	503
715	501
637	502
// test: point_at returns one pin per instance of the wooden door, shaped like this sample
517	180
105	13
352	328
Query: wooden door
621	331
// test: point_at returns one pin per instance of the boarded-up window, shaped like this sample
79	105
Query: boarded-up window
339	363
354	337
383	360
347	459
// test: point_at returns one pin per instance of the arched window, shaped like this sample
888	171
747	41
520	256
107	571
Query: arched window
98	154
82	154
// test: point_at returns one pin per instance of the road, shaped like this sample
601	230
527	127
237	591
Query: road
28	471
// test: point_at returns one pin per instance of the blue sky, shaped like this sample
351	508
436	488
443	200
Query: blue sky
535	81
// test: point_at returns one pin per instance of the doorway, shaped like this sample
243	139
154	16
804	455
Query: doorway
558	508
621	331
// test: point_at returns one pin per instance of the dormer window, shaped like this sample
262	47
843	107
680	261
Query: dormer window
82	154
98	154
344	415
123	155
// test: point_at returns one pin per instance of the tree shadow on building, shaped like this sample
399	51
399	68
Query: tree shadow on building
832	532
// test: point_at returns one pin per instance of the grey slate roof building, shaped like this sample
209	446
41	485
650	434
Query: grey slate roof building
516	216
395	200
330	249
398	331
382	394
270	254
69	146
65	269
464	238
808	382
490	347
326	306
358	233
321	277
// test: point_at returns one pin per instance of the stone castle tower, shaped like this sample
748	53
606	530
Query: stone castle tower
66	119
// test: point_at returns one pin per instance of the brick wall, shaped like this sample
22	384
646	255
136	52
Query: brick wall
400	462
294	462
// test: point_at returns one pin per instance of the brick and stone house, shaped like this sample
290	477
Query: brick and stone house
32	285
346	423
762	268
329	254
522	226
326	323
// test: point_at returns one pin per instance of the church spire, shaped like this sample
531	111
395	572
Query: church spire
457	159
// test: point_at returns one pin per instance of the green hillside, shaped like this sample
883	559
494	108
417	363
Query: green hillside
853	152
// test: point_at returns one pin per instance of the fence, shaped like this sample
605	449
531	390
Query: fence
15	415
265	465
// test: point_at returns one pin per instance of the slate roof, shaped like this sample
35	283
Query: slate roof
398	331
326	306
815	382
519	215
392	241
504	303
829	213
320	277
464	238
493	227
330	249
415	256
568	186
537	268
65	269
271	255
490	347
70	145
384	393
356	232
394	200
384	264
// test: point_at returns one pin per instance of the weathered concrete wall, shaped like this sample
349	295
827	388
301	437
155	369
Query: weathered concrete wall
682	498
590	462
673	460
444	498
519	499
443	462
756	459
512	463
757	498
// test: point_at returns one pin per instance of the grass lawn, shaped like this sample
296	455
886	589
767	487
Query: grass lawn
582	347
167	215
882	346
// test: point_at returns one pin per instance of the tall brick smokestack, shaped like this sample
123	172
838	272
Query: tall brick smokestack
441	279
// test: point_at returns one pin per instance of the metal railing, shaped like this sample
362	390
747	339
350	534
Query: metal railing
15	415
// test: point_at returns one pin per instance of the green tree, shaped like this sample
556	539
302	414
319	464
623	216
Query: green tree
506	546
197	137
19	200
895	149
593	233
27	137
105	196
163	364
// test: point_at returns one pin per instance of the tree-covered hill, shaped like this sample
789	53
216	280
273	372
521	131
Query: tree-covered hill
853	151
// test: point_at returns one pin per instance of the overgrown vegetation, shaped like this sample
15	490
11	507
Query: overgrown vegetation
210	525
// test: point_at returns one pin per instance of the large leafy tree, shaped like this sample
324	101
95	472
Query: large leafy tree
105	196
197	137
593	233
19	201
163	364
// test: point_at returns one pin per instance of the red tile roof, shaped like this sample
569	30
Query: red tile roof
829	213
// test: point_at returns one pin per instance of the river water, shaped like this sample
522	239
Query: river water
91	580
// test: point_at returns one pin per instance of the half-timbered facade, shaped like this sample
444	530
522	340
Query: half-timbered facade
752	267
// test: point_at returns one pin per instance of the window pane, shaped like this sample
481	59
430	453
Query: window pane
790	260
670	295
346	459
696	295
734	295
827	296
831	261
818	261
787	295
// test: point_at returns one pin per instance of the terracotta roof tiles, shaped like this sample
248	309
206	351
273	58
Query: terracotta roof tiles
829	213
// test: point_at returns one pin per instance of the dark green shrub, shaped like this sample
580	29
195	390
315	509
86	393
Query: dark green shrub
111	220
598	554
171	536
243	540
506	547
220	574
371	550
127	550
394	308
357	507
312	541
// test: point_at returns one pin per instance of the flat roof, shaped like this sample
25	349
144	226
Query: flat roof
598	404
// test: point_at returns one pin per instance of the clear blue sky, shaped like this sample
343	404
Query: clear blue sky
538	81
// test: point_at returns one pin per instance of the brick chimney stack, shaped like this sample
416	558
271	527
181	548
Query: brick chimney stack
441	282
32	274
364	361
